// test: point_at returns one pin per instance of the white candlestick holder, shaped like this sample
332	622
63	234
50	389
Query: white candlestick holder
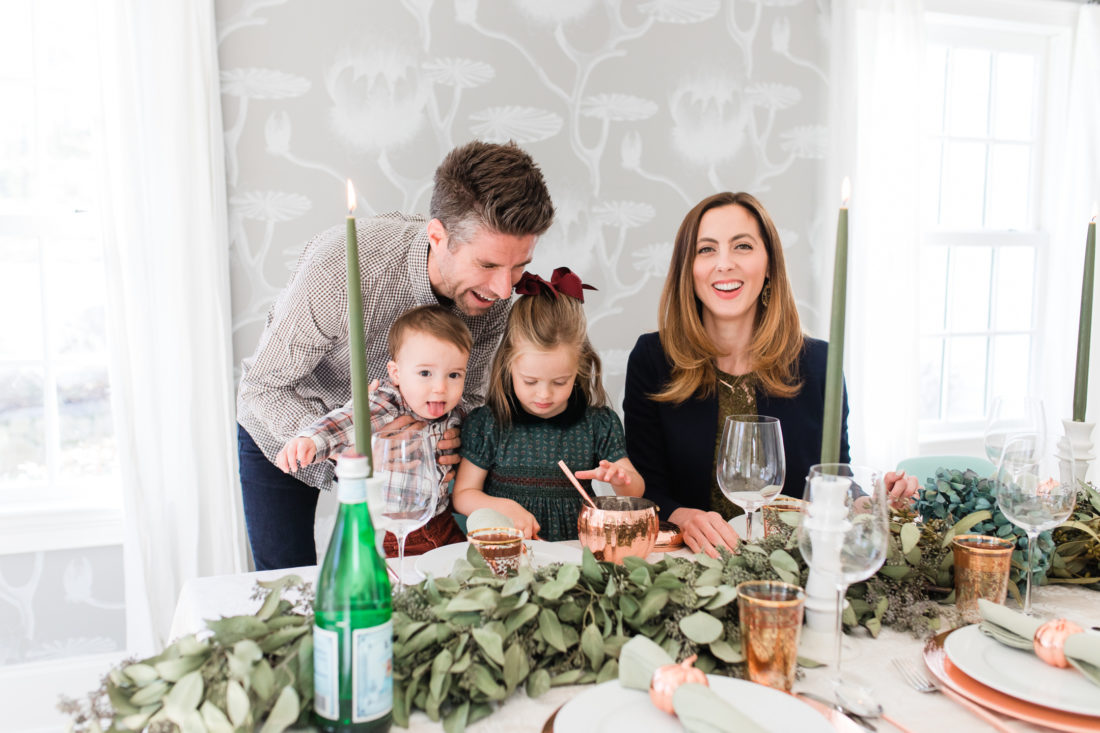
1076	445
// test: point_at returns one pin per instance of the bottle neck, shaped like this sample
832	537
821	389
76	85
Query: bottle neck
351	490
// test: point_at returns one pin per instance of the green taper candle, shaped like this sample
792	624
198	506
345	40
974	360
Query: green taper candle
357	341
1084	327
834	374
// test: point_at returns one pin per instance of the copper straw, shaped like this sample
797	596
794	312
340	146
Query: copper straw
576	483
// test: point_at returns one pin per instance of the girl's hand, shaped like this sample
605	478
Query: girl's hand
607	471
523	520
296	454
704	531
902	489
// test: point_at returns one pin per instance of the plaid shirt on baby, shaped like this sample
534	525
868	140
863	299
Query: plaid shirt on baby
301	368
335	431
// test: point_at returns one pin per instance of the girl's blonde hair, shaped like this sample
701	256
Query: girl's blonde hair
776	336
545	322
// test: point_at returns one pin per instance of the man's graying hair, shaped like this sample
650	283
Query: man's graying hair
493	186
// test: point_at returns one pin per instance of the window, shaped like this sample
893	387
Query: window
986	91
57	448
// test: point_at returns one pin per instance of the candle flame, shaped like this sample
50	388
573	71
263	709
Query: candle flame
1095	211
351	197
845	191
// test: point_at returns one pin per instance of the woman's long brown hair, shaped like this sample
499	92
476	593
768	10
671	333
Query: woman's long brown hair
776	336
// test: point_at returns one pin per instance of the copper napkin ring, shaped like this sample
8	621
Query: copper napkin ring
1050	641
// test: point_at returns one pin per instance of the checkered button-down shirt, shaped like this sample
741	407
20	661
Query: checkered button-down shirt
301	368
335	431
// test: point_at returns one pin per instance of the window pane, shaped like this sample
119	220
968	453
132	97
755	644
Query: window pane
1009	171
76	298
968	298
16	52
84	423
1011	365
968	92
962	190
22	427
965	377
65	137
64	42
16	142
1014	96
935	73
1015	289
20	292
933	279
931	371
930	172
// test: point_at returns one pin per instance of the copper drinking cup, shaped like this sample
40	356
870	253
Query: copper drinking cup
982	565
500	546
770	614
618	526
772	511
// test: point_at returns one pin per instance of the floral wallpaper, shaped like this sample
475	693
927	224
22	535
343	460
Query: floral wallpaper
635	109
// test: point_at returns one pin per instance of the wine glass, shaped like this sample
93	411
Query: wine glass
1013	416
843	536
1031	504
751	463
408	486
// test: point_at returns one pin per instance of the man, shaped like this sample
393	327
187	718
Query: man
489	205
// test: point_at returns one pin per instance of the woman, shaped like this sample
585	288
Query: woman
729	343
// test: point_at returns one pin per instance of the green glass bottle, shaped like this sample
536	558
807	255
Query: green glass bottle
353	630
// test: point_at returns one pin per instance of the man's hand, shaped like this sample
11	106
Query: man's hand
451	442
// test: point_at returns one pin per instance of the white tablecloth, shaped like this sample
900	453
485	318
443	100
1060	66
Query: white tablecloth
228	595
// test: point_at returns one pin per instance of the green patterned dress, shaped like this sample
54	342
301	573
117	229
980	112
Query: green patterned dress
522	459
736	396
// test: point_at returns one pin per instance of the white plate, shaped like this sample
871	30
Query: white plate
612	708
439	561
1020	673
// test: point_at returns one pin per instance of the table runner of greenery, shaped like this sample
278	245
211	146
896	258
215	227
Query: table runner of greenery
467	641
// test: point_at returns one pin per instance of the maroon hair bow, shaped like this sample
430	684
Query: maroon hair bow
563	281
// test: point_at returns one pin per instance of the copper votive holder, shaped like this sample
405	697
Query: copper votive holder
982	565
500	546
618	526
772	511
771	622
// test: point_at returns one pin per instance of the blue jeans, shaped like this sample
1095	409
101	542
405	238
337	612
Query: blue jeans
279	510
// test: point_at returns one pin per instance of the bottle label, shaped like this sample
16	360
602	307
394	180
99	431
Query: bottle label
371	672
351	490
326	673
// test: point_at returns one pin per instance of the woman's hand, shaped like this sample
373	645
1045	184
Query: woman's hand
901	489
705	531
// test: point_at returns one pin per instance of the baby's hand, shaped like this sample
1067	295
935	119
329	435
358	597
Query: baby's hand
298	453
609	472
523	520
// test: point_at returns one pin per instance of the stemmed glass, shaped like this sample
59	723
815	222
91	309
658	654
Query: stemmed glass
751	463
408	485
1031	504
1009	417
843	536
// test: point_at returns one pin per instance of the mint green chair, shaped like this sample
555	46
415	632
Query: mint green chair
924	467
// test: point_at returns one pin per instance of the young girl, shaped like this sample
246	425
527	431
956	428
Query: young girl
546	403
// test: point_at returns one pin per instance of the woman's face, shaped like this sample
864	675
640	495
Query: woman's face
731	264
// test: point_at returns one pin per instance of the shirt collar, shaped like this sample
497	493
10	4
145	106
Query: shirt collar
573	412
418	270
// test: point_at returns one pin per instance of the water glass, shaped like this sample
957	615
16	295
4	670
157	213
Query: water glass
751	463
409	485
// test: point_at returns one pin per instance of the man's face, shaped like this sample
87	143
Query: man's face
477	273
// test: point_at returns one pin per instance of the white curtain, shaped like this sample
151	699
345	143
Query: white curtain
1074	188
169	310
876	57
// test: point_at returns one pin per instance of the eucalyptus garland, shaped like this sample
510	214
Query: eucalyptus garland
463	643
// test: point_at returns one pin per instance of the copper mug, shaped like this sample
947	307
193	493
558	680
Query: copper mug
618	526
982	565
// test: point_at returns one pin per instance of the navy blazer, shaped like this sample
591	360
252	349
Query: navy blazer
672	446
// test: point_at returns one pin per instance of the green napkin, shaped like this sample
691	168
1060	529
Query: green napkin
1016	630
482	518
698	707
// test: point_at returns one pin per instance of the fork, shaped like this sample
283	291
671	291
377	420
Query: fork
919	681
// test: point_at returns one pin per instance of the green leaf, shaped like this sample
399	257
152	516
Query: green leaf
590	567
186	694
783	564
570	677
484	681
270	605
609	671
263	680
214	719
964	525
726	652
490	643
910	535
538	683
897	572
655	599
551	629
237	705
228	631
592	645
141	674
441	669
516	619
455	721
149	694
725	594
283	713
475	599
809	663
516	666
701	627
173	669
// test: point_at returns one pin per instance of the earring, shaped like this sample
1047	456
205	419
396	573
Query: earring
766	294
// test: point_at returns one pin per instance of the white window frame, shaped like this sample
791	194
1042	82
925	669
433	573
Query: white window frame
1044	26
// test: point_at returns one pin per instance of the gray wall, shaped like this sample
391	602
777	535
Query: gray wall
635	110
